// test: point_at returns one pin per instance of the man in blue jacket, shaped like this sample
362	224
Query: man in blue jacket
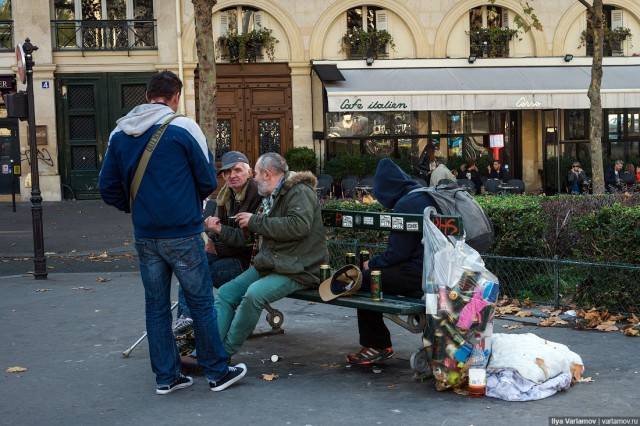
167	220
400	263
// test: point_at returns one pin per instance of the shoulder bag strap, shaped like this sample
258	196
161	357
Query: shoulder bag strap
144	160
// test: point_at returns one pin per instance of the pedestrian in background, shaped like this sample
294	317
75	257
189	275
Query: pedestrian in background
167	220
576	179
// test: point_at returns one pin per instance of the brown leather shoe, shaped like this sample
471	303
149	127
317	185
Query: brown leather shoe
190	365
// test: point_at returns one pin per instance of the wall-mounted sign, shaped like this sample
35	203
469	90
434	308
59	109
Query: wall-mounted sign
6	82
45	84
496	141
41	134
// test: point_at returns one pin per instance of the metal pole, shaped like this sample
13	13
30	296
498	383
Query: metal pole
36	199
556	282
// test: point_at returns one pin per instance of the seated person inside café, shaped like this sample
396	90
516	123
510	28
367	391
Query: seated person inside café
629	178
469	170
400	263
576	179
239	194
498	172
612	177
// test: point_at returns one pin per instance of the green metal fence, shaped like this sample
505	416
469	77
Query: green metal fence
556	282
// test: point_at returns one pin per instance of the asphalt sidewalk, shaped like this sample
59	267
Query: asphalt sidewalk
70	330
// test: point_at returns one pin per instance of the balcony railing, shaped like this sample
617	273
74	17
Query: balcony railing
104	35
6	36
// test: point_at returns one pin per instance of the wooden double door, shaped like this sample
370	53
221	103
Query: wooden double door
253	109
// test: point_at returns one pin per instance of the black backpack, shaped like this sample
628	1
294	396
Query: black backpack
451	199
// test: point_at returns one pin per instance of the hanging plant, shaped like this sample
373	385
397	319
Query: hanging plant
492	42
357	43
612	38
247	47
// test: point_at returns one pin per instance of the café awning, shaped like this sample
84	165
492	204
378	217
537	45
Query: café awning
480	88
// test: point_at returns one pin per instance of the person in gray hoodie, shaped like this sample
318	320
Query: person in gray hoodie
167	221
400	263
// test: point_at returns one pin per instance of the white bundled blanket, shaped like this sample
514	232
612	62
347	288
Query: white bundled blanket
525	367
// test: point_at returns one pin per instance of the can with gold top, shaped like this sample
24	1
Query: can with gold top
376	286
325	273
350	259
364	257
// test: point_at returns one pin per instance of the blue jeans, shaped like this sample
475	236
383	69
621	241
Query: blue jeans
184	257
240	303
223	270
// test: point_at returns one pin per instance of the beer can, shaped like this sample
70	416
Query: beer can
350	259
376	286
364	257
325	273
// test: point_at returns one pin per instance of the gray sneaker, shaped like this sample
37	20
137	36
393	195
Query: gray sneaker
233	375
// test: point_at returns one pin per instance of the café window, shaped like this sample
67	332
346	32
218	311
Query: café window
576	125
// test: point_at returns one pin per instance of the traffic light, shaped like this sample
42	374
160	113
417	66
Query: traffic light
17	105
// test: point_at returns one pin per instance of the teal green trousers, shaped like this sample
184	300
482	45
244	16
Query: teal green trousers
239	304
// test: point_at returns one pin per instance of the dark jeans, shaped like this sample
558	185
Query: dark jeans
396	280
184	257
223	270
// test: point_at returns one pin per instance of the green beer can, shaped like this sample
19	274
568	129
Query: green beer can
350	259
325	273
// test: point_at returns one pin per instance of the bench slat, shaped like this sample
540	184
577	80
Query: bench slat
390	304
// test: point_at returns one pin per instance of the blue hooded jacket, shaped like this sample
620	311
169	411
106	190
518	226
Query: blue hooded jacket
180	173
391	187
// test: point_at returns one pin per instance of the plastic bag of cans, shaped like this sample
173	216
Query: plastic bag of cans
464	320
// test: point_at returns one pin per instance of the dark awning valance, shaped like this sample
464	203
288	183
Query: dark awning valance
328	72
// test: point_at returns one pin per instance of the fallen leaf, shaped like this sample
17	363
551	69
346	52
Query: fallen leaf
576	371
103	280
631	332
511	327
543	366
607	326
461	391
15	370
42	289
617	317
269	377
555	313
546	323
507	310
81	288
523	314
585	380
311	303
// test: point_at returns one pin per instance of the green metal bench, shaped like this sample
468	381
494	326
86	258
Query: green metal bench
408	312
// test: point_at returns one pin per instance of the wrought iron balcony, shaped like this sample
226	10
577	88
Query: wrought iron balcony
135	34
6	36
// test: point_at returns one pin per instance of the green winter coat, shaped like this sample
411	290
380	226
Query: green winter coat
293	235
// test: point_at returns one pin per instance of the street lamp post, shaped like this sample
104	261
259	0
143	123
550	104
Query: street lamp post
40	260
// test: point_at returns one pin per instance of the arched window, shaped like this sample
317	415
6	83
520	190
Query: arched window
489	32
367	33
243	35
615	32
103	24
240	20
6	26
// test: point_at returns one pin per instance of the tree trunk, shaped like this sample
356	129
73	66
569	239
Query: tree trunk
205	46
597	29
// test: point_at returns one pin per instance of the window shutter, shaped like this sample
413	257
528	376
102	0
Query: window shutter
258	20
224	23
616	19
505	18
381	20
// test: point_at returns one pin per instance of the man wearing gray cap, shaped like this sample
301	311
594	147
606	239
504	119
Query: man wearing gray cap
239	194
